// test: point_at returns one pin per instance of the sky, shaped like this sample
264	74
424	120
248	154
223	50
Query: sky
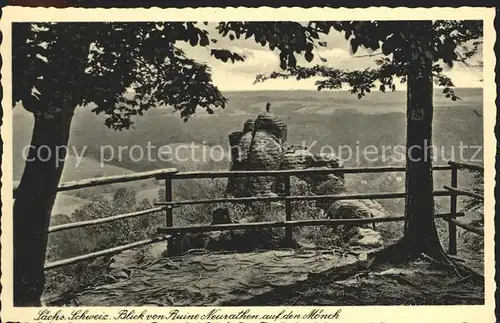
260	60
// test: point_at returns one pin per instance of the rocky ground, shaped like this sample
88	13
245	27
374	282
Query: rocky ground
415	283
281	277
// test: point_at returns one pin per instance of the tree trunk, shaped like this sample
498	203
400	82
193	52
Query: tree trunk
420	232
34	201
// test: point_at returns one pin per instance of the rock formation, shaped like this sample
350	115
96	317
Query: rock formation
355	209
262	145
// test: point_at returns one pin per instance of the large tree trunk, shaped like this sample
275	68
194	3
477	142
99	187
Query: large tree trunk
34	201
420	232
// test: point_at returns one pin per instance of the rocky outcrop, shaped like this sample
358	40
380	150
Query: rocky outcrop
265	153
355	209
249	125
262	145
240	143
364	234
366	237
271	124
297	159
234	240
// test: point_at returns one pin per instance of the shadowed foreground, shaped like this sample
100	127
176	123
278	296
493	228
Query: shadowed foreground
284	277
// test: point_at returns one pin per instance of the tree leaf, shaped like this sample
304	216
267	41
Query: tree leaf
314	34
309	56
283	64
347	34
374	44
204	40
292	61
387	47
354	45
193	39
263	40
429	54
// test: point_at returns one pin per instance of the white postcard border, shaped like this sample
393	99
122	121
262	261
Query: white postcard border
386	314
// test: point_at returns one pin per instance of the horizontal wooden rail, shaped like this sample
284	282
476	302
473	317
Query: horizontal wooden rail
162	173
80	224
173	173
293	172
467	227
277	224
105	252
467	165
220	227
97	181
336	197
464	192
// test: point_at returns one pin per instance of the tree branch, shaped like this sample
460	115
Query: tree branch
368	55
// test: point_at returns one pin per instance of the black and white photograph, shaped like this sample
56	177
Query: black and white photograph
177	161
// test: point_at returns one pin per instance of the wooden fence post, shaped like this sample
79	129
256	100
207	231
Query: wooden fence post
173	246
168	198
452	227
288	210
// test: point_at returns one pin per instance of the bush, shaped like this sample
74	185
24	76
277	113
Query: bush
472	241
71	243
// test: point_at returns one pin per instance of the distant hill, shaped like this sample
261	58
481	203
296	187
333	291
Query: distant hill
327	102
330	118
334	118
67	204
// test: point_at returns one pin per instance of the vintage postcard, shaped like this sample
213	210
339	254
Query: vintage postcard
259	165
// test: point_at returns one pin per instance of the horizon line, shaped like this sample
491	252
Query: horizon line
339	90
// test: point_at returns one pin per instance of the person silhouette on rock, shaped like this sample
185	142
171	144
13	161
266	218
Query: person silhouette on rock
268	107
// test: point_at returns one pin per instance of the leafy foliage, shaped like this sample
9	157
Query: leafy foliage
400	42
123	68
71	243
225	55
474	204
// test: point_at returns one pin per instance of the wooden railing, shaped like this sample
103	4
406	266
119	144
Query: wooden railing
455	191
167	206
